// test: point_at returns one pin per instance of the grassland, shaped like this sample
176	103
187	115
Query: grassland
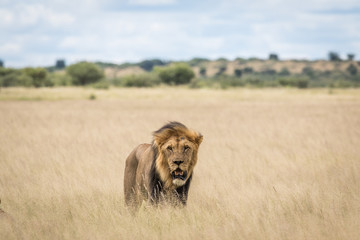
274	164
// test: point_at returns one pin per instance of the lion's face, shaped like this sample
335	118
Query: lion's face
179	154
178	147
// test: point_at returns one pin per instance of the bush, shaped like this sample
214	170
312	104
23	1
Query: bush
269	72
148	65
248	70
226	82
84	73
202	71
103	84
294	82
176	74
16	78
27	77
221	71
309	71
351	69
39	77
284	72
237	72
197	61
199	83
60	79
142	80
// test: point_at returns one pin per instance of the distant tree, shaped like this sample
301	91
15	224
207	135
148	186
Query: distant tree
237	72
1	63
269	72
351	56
83	73
273	56
176	74
284	72
202	71
333	56
248	70
221	71
302	83
60	64
197	61
148	65
351	69
309	71
222	59
38	75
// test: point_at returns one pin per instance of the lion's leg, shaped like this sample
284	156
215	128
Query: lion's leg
130	180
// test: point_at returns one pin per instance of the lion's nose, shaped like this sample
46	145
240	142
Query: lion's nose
178	162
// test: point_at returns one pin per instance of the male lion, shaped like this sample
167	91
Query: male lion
162	171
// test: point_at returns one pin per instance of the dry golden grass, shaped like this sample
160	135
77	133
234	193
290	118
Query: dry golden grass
274	164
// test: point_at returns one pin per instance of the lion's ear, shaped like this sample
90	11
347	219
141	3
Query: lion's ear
198	139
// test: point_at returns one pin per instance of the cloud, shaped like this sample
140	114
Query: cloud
151	2
132	30
25	15
10	49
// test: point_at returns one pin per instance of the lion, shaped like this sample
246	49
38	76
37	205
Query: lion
162	171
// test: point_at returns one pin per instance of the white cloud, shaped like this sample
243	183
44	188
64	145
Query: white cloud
89	29
10	49
151	2
6	17
25	15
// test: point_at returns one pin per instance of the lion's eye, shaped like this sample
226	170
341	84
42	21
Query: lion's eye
186	148
169	148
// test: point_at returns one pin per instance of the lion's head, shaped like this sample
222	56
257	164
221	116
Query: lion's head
177	148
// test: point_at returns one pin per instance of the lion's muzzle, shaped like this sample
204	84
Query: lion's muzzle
179	174
179	177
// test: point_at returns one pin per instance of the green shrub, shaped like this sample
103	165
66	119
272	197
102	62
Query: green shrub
309	71
294	82
103	84
142	80
202	71
148	65
197	61
38	75
60	79
226	82
284	72
199	83
351	69
237	72
83	73
92	96
176	74
248	70
221	71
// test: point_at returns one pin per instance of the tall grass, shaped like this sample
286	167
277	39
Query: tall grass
274	164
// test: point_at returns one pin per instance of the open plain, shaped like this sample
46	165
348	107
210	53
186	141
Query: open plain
274	163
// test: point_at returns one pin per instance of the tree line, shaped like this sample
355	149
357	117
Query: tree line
157	72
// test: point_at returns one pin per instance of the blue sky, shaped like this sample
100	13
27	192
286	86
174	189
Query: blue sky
36	33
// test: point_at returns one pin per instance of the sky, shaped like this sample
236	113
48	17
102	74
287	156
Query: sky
37	33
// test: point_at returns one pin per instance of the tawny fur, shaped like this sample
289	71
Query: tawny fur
149	167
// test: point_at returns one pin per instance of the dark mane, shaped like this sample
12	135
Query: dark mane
156	185
172	126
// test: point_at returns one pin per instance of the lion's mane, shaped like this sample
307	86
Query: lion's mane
149	172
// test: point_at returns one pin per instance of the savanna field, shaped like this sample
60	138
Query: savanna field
274	163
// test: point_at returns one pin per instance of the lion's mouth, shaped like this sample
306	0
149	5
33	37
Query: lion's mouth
179	174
